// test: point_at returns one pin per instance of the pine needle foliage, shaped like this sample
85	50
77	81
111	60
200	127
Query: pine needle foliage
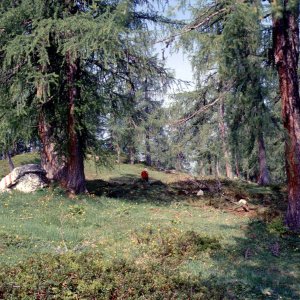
104	38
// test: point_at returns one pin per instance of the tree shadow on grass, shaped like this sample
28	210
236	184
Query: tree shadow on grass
262	264
131	188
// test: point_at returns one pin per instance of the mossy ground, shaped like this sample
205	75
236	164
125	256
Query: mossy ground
157	231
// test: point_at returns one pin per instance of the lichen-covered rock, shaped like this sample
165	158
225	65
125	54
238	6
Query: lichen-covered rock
27	178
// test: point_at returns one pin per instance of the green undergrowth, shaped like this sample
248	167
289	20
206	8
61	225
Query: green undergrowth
88	276
159	241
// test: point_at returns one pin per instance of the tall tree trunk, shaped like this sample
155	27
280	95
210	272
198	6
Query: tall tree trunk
148	148
75	181
286	54
118	150
147	129
237	169
210	172
264	175
223	135
217	168
178	164
10	162
201	168
131	155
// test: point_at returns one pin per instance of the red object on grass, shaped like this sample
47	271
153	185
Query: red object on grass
145	175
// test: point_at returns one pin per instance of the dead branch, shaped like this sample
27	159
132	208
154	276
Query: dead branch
195	25
202	109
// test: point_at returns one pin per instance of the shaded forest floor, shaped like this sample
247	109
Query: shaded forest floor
161	241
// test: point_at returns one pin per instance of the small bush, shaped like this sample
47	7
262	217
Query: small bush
7	240
76	210
276	226
174	244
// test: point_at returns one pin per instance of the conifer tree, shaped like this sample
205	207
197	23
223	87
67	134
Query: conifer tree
58	52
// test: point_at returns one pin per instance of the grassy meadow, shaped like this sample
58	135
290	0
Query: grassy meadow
127	241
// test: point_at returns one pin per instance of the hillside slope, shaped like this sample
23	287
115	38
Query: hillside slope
125	240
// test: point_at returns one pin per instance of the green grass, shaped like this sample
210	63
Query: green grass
145	228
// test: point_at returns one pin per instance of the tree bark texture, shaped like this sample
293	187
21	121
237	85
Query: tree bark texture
147	129
237	169
217	168
179	162
264	174
75	181
286	54
118	150
210	168
51	161
132	155
222	128
148	148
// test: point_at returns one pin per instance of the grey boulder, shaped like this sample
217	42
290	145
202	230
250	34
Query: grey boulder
27	179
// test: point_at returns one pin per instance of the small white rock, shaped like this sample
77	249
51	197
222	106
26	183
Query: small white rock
200	193
242	202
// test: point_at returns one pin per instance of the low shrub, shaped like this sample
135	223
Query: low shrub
88	276
277	226
174	244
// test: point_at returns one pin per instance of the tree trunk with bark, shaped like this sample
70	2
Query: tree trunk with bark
201	168
286	54
179	162
217	167
237	169
131	155
222	128
118	150
148	148
75	179
210	168
147	129
264	175
51	161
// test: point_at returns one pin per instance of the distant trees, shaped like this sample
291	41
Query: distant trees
232	52
241	41
133	127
